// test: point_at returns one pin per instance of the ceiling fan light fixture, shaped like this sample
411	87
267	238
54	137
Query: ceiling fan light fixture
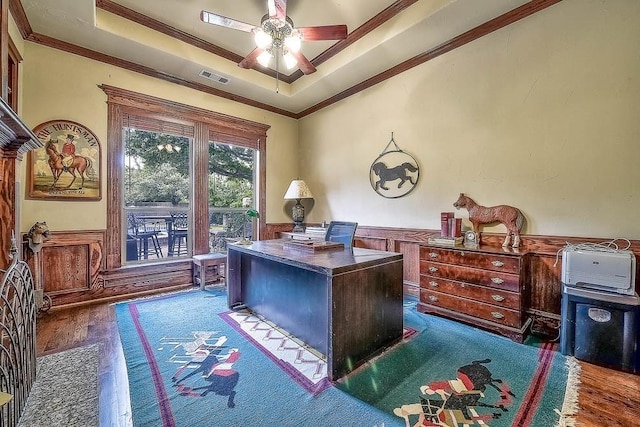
263	39
264	58
293	42
290	61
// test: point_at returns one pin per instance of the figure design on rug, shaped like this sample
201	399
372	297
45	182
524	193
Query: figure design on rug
458	399
204	369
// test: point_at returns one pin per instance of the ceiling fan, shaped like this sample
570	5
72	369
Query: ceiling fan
276	35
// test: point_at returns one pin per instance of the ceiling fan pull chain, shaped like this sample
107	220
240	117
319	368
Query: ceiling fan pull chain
277	75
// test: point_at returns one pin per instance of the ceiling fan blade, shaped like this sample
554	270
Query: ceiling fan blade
303	63
215	19
250	60
277	9
327	32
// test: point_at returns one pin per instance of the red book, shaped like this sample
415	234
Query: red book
455	227
444	224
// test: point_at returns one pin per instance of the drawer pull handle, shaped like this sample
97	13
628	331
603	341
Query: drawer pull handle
497	315
433	255
432	298
497	280
497	263
433	284
433	269
497	298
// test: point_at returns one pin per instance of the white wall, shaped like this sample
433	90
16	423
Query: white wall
542	115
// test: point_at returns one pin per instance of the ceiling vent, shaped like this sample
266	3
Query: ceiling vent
213	76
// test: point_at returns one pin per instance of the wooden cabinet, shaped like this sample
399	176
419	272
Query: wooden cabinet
481	286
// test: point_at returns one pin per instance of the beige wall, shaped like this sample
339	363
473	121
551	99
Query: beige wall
64	86
542	115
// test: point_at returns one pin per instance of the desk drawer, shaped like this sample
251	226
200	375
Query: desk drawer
492	313
493	279
493	296
503	263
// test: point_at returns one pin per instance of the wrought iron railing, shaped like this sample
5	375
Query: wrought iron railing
225	225
17	337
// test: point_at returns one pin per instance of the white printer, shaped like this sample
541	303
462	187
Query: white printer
606	270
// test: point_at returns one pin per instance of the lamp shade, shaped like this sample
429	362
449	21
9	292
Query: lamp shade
298	190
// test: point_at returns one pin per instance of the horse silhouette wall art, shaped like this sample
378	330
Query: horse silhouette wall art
511	217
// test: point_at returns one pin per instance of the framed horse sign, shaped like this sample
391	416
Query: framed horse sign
68	167
394	173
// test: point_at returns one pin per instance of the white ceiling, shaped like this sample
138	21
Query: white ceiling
420	27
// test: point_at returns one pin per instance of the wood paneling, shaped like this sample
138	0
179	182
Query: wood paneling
68	262
544	277
542	273
71	269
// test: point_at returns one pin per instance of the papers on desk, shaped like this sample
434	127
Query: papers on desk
316	231
313	245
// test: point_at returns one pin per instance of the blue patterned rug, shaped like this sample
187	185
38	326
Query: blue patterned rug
191	362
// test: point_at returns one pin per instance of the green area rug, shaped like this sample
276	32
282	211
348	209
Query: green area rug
189	363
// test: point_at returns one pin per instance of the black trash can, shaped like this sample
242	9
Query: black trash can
602	328
132	248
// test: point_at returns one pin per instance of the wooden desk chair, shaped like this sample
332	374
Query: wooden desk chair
341	231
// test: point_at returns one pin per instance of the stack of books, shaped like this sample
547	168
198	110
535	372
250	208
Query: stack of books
449	225
451	241
450	230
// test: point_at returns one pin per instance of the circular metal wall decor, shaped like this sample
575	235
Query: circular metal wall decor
394	173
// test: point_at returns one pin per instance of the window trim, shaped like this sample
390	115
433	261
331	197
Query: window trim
206	123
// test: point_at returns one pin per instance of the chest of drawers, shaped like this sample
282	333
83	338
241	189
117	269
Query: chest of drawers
481	286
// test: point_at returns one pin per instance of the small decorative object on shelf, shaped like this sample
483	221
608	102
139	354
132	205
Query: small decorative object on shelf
511	217
37	235
470	238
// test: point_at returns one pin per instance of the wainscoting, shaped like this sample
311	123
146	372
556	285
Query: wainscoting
542	270
71	268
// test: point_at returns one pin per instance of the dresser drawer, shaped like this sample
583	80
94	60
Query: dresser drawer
495	262
493	279
493	296
492	313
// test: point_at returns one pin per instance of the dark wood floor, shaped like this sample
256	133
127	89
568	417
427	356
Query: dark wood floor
607	397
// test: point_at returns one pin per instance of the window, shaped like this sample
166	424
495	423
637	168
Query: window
231	193
139	124
156	193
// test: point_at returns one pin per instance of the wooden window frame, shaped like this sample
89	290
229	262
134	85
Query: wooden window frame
232	130
12	83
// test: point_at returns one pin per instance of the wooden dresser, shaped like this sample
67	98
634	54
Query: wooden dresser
481	286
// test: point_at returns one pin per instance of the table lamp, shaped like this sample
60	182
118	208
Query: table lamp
298	190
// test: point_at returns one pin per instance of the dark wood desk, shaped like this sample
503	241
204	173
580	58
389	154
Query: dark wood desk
346	305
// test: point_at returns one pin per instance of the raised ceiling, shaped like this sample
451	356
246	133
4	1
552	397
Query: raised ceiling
166	39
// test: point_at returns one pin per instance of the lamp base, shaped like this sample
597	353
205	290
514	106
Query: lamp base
297	214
